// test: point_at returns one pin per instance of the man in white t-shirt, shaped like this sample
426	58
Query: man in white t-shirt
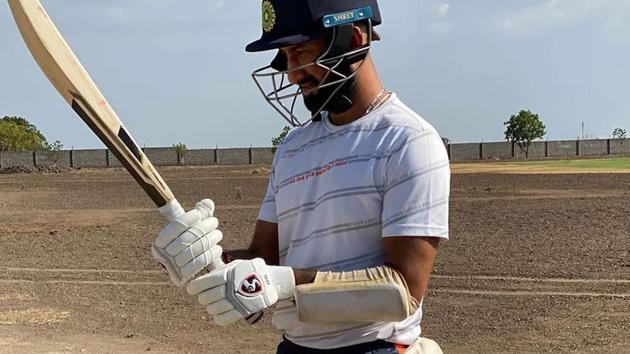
356	205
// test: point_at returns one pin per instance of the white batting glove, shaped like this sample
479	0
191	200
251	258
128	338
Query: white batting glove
241	289
189	244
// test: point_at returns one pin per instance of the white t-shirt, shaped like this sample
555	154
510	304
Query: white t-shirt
336	191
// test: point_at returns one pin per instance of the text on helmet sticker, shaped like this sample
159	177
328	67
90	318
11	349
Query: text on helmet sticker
341	18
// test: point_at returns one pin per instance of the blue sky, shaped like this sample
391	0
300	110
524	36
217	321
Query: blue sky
176	71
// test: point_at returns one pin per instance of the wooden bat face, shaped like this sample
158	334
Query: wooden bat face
70	78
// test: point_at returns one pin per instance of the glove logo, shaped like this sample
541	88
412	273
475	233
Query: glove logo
251	286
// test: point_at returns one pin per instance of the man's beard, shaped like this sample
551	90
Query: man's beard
320	99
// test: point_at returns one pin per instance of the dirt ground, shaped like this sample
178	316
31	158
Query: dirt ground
536	263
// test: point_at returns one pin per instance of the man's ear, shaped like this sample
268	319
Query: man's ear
359	37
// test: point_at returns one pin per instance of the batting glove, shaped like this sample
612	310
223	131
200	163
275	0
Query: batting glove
241	289
189	244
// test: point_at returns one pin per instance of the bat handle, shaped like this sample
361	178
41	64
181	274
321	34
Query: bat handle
172	210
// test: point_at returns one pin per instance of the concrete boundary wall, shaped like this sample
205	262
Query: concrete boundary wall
234	156
594	147
563	148
200	157
262	155
504	150
18	158
167	156
620	146
466	151
59	158
537	150
162	156
89	158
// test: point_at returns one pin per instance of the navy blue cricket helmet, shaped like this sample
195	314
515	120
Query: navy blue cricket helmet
289	22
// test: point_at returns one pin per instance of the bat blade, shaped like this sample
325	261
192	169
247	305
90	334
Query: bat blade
69	77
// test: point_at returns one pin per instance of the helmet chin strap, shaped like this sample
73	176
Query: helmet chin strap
340	43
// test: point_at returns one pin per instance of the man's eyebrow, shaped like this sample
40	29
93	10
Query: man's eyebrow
294	47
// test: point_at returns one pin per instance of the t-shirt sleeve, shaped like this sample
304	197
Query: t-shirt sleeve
268	208
417	187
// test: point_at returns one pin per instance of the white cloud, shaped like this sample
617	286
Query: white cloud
441	10
438	25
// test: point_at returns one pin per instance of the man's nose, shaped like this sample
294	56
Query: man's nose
294	75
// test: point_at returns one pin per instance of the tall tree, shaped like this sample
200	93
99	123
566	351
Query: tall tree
181	149
619	133
523	128
18	134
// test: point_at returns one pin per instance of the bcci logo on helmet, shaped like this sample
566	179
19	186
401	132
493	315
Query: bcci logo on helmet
268	16
251	286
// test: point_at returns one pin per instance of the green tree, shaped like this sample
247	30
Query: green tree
619	133
181	150
278	140
523	128
54	152
17	134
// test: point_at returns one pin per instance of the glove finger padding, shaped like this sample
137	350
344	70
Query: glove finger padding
197	248
211	280
228	318
201	262
213	295
181	275
192	235
219	307
178	226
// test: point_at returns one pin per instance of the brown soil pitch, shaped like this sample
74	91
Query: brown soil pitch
535	263
38	169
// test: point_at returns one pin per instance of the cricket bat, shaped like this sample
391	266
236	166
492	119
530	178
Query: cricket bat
70	78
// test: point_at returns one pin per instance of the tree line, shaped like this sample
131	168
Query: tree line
18	134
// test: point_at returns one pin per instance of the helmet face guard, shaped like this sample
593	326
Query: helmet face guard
336	60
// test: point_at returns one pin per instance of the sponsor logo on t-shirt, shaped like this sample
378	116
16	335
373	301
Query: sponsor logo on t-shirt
319	172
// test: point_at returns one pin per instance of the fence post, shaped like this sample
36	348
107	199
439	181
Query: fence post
546	148
577	147
34	159
107	163
216	155
480	151
608	146
251	156
71	158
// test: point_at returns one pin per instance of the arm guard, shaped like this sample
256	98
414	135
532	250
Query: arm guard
366	295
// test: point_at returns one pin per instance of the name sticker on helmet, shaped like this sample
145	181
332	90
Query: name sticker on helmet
341	18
